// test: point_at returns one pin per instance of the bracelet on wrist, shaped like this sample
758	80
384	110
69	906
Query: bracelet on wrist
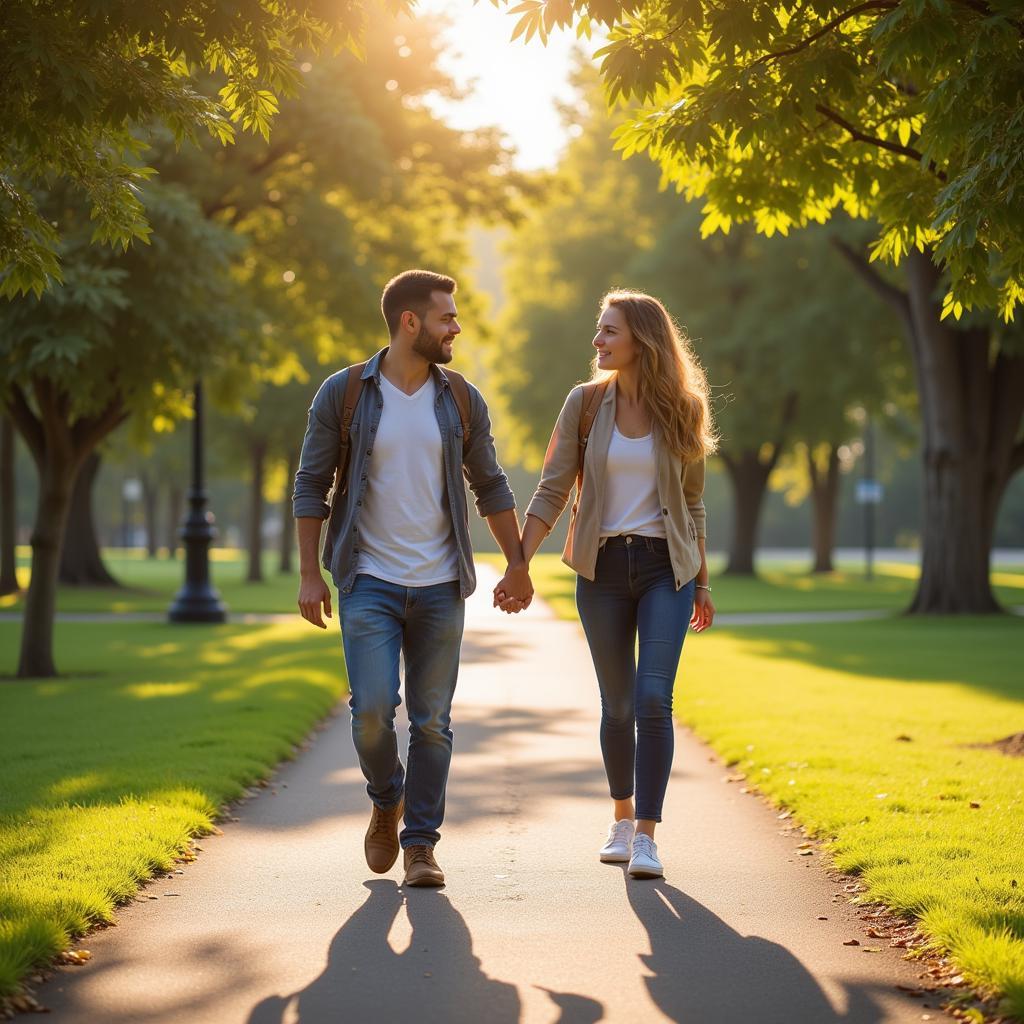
703	586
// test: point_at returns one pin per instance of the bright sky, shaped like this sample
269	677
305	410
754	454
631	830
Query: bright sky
515	86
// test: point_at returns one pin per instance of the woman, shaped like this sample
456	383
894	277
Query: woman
634	441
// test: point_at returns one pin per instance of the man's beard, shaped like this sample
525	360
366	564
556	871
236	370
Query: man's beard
431	348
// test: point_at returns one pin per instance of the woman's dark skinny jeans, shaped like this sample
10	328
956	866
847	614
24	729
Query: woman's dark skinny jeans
633	594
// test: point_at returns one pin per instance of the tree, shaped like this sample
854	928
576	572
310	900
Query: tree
787	343
8	510
790	348
907	112
324	223
554	279
82	87
81	563
124	336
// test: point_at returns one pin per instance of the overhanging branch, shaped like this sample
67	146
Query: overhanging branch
28	425
870	5
90	430
873	140
986	11
896	297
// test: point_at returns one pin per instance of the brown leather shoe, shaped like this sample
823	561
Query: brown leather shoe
421	868
381	842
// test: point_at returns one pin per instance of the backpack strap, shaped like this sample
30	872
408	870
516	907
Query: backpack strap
353	390
593	396
460	392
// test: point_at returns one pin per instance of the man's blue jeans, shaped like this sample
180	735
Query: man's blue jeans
379	620
633	595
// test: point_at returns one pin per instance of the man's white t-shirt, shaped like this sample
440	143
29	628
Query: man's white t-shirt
405	531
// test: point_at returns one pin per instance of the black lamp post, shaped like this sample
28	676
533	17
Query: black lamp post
197	601
871	498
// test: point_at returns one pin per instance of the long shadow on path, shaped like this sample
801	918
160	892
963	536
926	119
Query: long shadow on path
437	978
703	970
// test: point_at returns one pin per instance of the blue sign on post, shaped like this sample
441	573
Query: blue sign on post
869	492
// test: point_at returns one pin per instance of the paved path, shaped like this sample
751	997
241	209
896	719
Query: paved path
279	920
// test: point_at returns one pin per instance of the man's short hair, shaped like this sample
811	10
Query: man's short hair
411	290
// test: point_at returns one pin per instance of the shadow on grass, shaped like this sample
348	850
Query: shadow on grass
146	697
982	653
209	711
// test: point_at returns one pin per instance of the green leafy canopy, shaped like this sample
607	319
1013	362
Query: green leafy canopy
910	112
82	81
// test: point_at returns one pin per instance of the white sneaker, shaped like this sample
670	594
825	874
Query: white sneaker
617	846
644	862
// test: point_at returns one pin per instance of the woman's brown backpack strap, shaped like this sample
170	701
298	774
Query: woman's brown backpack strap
460	392
593	396
353	389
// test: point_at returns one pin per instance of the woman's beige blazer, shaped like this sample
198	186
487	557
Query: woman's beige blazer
680	491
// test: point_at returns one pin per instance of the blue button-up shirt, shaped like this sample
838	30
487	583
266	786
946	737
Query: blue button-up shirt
319	460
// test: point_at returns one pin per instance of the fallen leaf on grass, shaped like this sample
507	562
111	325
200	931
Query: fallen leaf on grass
25	1003
74	956
975	805
916	993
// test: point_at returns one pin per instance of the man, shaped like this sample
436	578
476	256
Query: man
398	549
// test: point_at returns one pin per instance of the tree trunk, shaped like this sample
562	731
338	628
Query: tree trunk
81	564
971	394
59	446
287	520
749	477
8	510
257	455
150	500
825	498
36	659
175	510
972	403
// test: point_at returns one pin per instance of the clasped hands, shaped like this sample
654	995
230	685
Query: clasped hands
514	591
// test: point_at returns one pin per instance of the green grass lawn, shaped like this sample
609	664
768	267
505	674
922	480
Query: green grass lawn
780	587
867	732
110	769
150	586
151	583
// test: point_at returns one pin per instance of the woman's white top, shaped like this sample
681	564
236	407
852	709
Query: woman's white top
405	531
631	502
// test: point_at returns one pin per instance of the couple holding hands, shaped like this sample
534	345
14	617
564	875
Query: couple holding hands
387	445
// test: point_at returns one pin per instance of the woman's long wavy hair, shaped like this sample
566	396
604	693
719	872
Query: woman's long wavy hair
673	385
